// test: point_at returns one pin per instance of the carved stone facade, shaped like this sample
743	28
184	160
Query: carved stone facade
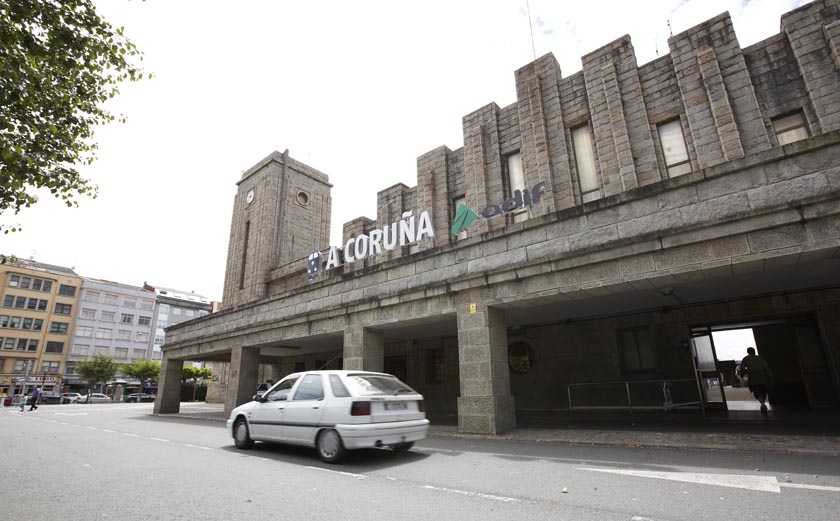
716	202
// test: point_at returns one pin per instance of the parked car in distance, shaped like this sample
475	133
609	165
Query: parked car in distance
94	398
333	411
262	388
50	397
143	397
71	397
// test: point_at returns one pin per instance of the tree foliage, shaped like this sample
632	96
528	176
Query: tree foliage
99	369
59	63
195	373
142	370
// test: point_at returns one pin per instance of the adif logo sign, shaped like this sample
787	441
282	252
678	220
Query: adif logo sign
465	216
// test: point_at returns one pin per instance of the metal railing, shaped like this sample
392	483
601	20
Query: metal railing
619	395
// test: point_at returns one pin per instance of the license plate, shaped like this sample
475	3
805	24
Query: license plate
395	406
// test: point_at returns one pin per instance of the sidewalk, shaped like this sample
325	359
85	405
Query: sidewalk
811	433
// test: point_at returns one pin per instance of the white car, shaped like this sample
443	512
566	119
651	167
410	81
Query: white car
94	398
333	411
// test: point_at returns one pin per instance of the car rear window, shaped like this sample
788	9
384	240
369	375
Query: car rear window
338	389
377	385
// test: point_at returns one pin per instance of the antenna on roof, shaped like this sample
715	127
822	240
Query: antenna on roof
531	27
670	29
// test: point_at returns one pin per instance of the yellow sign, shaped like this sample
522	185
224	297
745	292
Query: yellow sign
472	308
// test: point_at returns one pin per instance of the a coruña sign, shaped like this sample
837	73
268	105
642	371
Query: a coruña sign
404	232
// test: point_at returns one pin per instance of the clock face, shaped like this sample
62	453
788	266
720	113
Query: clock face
250	197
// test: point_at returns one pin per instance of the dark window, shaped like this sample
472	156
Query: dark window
636	350
338	389
300	367
54	347
311	388
63	309
397	366
58	327
47	286
20	302
37	324
434	366
244	255
8	301
67	291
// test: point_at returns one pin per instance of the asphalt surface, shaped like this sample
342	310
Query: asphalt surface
817	433
119	461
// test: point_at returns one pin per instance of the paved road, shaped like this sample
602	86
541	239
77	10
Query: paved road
116	461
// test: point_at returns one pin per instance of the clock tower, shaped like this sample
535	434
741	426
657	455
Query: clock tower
281	214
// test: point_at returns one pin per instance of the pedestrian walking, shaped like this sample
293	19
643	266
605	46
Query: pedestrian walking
33	400
23	400
759	376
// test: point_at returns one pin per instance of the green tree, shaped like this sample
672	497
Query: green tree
99	369
59	62
195	374
142	370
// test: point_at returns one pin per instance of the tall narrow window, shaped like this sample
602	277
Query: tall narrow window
516	181
244	255
585	161
673	147
790	128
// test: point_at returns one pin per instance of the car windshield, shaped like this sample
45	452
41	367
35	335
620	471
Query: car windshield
377	385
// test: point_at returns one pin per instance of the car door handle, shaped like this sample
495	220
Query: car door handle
316	406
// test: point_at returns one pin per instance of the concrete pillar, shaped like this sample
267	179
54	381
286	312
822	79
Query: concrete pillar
276	372
485	405
169	388
364	349
244	373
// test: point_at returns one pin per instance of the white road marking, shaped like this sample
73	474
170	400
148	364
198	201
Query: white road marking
810	487
350	474
758	483
132	435
92	428
70	414
196	446
474	494
108	430
159	439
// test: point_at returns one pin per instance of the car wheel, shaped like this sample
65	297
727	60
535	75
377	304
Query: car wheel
402	447
241	435
330	447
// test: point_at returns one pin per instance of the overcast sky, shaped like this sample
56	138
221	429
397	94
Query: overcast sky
356	89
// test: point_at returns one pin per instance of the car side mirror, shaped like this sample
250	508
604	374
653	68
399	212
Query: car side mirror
258	398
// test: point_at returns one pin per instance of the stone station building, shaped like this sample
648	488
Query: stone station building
587	241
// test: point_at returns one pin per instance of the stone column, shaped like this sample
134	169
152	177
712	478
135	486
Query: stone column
485	405
244	373
277	372
364	349
169	388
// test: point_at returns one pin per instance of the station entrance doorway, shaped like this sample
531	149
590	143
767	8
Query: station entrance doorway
793	347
